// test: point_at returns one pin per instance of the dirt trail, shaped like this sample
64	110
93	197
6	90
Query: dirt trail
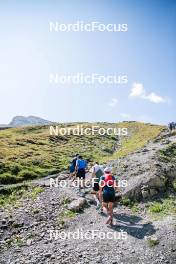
28	229
36	246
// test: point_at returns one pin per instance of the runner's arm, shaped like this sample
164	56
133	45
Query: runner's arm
116	185
76	167
101	185
93	172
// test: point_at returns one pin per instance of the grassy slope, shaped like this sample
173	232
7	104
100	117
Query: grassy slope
168	154
30	152
139	135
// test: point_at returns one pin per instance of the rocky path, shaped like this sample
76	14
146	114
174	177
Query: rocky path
29	227
142	169
43	230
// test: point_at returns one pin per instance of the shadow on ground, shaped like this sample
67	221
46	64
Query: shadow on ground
131	225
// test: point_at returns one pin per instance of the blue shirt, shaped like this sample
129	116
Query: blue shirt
81	164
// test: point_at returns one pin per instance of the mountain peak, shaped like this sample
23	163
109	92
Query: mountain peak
27	120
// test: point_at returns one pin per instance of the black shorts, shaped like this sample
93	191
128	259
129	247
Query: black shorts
96	186
81	174
108	197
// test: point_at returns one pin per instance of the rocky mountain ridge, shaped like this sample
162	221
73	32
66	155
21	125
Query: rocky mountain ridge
19	121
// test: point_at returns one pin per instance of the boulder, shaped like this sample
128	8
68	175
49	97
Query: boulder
145	194
157	181
153	192
77	205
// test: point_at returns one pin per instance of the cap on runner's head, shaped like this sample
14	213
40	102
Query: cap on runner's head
107	169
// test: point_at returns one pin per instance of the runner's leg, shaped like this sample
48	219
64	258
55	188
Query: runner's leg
110	206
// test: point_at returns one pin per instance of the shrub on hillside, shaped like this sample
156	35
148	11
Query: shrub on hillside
7	178
27	175
15	169
2	167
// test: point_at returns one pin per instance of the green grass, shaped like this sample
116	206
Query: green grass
156	207
130	203
168	154
174	185
153	242
66	200
140	134
14	240
35	191
30	152
164	207
70	214
135	208
126	202
35	211
65	216
12	198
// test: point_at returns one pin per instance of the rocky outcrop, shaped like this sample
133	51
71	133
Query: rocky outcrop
146	171
18	121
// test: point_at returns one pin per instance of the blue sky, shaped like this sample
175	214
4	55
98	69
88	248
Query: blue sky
29	52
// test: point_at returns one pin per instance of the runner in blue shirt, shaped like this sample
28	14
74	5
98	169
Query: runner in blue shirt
81	166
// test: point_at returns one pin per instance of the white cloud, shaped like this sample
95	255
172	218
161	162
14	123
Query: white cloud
152	97
139	91
113	102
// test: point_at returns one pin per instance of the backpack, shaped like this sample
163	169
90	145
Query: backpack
108	179
98	175
82	164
